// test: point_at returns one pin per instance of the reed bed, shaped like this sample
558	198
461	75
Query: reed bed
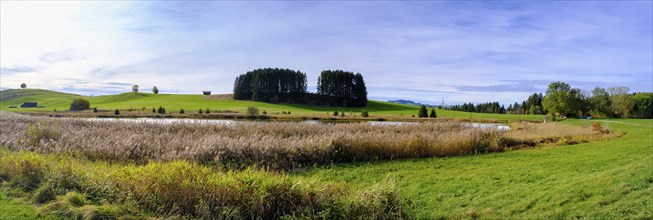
278	145
274	145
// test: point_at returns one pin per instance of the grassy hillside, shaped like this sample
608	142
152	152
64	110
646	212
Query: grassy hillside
192	103
600	180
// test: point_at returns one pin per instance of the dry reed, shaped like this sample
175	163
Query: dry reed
275	145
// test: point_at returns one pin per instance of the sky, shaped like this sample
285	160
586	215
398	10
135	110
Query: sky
426	51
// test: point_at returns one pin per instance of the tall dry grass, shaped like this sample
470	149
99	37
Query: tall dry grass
278	145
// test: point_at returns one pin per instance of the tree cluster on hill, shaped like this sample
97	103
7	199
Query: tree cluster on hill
489	107
342	88
271	85
335	88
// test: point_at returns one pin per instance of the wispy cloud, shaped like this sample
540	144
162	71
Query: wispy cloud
426	51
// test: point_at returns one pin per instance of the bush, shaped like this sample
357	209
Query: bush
161	110
153	110
423	112
252	111
94	110
181	111
80	104
200	111
116	112
208	111
365	114
335	113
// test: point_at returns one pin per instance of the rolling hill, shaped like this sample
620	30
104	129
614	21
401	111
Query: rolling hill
52	100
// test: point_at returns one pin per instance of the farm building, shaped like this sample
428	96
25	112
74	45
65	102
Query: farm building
29	105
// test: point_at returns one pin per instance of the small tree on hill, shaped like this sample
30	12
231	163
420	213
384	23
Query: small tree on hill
181	111
95	110
135	89
153	110
161	110
423	112
117	112
23	85
335	113
433	114
200	111
79	104
365	113
208	111
155	90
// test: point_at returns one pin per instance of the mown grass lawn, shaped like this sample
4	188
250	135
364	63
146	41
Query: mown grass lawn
600	180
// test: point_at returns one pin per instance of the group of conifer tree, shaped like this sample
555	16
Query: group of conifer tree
334	87
271	85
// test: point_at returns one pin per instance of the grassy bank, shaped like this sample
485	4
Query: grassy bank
73	188
610	179
274	145
142	104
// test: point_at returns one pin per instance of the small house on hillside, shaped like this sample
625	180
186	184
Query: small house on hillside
206	92
29	105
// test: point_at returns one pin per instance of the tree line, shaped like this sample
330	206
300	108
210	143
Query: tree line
561	100
334	87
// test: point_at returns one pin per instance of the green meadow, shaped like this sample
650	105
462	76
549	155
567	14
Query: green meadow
606	179
192	103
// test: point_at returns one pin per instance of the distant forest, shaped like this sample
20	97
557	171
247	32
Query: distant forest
334	87
562	100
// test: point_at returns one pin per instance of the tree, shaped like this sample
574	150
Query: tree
79	104
600	104
365	113
23	85
155	90
621	101
208	111
94	110
181	111
643	105
153	110
135	89
335	113
423	112
556	101
433	114
116	112
161	110
252	111
200	111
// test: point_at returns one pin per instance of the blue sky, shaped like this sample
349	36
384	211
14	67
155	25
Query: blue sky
423	51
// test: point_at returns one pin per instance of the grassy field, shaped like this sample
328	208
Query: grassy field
600	180
192	103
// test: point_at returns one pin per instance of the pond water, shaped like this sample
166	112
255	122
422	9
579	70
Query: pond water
230	121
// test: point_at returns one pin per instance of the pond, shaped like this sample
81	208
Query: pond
231	121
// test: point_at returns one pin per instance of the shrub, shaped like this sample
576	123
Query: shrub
181	111
80	104
200	111
433	114
365	114
265	113
335	113
161	110
116	112
42	132
252	111
153	110
94	110
208	111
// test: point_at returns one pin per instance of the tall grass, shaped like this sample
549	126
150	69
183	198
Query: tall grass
71	187
275	145
279	145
